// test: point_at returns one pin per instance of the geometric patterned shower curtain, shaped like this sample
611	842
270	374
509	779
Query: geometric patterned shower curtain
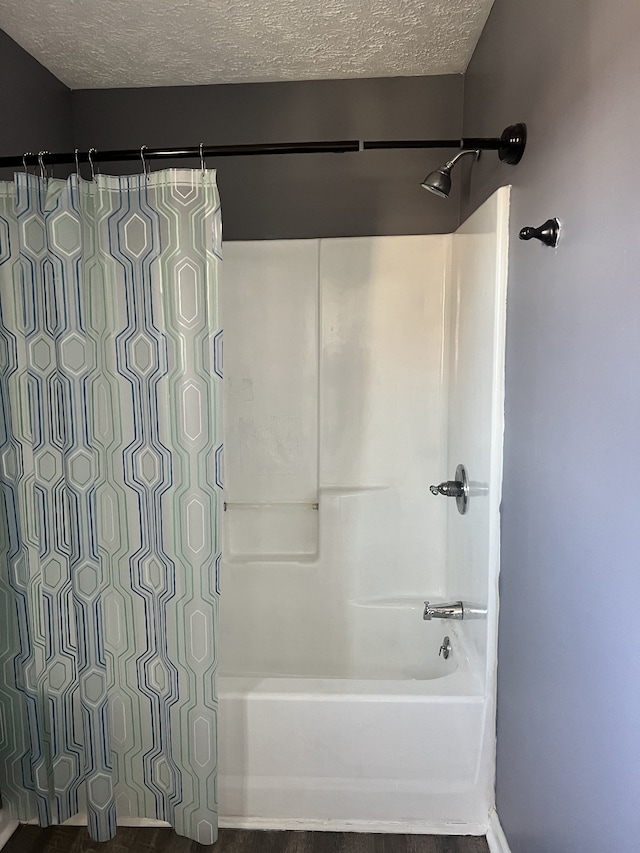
110	451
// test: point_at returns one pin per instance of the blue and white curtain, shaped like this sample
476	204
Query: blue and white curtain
110	443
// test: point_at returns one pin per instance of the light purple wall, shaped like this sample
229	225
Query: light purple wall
34	105
568	774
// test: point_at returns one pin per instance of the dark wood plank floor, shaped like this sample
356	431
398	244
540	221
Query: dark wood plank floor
71	839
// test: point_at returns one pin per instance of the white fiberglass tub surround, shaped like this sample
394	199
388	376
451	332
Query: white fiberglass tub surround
358	371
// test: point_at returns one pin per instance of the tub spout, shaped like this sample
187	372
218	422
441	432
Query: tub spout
453	610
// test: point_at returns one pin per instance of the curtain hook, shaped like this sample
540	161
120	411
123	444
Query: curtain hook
24	160
77	164
144	162
93	174
43	173
203	165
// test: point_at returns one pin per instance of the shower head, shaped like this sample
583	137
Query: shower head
439	181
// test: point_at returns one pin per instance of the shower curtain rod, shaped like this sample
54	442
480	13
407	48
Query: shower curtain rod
334	147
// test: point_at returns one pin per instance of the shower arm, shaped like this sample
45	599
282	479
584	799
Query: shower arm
510	147
451	163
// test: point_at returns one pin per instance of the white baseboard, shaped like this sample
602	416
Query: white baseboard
7	828
496	839
352	826
310	825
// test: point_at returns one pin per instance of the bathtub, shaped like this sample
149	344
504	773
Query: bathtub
405	754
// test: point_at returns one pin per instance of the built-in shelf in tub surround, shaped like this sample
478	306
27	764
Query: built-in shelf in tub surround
268	532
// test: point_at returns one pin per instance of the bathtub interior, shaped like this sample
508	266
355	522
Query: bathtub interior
385	645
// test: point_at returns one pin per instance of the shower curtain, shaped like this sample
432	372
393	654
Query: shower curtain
110	449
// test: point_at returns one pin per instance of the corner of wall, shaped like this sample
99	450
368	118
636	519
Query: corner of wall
463	199
37	103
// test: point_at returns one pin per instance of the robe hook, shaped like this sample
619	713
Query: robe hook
548	233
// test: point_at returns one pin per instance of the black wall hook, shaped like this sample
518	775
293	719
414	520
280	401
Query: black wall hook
548	233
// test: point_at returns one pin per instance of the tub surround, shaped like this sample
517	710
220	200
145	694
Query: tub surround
356	371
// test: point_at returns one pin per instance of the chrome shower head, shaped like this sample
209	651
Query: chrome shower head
439	181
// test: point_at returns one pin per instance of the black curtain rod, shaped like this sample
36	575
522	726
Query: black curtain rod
336	147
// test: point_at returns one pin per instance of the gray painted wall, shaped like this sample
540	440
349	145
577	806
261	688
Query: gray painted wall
568	773
35	106
324	195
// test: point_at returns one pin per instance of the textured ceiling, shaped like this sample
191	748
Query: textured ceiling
120	43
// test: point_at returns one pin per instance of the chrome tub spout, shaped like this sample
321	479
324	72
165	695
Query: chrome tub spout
453	610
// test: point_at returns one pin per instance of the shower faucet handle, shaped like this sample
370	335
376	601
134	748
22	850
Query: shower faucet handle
450	489
458	489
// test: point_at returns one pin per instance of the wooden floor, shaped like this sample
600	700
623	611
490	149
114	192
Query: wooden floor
71	839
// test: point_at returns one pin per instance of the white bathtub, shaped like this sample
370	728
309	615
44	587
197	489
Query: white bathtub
395	755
